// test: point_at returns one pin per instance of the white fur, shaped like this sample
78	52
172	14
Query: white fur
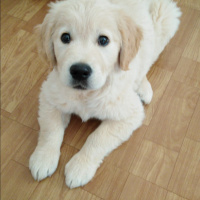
112	94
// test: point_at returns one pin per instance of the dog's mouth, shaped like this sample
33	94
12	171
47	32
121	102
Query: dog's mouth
79	87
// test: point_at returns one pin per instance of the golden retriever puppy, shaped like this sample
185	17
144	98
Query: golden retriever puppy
101	51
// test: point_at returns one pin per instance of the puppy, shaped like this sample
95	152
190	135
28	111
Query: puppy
101	51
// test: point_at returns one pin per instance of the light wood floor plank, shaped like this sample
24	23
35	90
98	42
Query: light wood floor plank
7	5
13	137
79	194
5	123
10	25
15	86
23	153
188	72
9	49
194	128
171	121
172	196
137	188
192	48
20	184
185	179
25	9
170	57
5	113
26	112
154	163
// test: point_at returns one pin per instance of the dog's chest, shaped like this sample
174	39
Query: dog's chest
85	109
100	108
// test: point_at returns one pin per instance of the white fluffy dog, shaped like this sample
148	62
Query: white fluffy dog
101	51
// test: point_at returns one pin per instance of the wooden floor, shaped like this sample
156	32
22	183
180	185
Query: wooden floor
161	161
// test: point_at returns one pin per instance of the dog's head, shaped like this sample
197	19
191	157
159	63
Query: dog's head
87	40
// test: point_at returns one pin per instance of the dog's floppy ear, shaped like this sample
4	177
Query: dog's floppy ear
44	33
131	37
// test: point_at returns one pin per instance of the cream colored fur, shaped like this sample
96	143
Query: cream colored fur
138	31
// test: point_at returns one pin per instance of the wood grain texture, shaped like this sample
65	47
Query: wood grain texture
139	189
192	48
25	9
13	60
23	153
5	113
172	196
171	120
5	123
16	189
7	5
12	138
194	127
170	57
188	72
185	179
10	25
26	112
161	160
154	163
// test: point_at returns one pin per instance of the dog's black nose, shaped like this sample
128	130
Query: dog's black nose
80	71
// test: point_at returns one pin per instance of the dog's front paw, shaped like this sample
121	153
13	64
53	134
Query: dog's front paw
79	171
43	163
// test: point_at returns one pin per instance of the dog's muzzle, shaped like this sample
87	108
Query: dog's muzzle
80	73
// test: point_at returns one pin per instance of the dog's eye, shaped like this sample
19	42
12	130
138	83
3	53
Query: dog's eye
66	38
103	41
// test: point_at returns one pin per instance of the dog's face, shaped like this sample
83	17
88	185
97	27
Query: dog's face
86	40
86	48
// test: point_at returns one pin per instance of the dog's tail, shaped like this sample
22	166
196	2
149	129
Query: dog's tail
165	15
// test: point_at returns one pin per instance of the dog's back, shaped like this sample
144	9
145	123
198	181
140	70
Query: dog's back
165	15
165	20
